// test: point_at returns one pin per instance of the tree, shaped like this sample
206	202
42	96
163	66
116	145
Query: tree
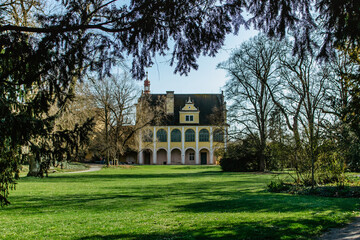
304	84
251	69
342	105
45	61
89	36
114	99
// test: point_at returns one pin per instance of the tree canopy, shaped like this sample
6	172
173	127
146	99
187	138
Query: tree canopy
41	62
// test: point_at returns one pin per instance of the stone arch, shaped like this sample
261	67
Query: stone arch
147	156
161	156
190	156
204	156
175	135
218	135
189	135
176	156
161	135
204	148
204	135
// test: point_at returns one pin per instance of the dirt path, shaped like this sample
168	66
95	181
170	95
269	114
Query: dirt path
351	231
93	168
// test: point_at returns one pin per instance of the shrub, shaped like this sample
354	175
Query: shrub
278	185
330	168
243	164
240	157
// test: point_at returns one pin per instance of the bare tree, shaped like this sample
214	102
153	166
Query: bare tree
252	72
304	84
113	100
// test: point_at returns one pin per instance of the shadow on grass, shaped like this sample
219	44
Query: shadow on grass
231	201
79	177
264	202
281	229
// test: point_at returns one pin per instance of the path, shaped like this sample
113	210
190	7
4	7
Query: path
93	168
351	231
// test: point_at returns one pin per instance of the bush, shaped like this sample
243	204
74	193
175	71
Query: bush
278	185
330	168
240	157
243	164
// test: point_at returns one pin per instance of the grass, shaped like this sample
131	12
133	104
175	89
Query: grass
165	202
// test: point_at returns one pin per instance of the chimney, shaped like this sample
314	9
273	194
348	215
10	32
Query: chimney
147	85
170	102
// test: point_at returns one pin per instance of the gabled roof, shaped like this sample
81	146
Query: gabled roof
205	103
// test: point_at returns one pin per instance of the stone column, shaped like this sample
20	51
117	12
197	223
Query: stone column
154	148
169	149
182	146
197	146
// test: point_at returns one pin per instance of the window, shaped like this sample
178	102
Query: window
147	136
189	135
191	156
189	118
161	135
218	136
203	135
175	135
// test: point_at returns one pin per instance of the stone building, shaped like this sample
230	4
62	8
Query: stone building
193	129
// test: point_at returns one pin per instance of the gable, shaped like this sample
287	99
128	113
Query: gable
210	106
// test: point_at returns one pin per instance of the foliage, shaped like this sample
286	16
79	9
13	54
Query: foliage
343	105
278	185
166	202
348	191
331	168
41	63
278	156
9	171
240	157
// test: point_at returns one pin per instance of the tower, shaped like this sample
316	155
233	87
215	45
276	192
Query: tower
147	85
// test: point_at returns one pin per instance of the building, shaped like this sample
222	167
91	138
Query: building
192	130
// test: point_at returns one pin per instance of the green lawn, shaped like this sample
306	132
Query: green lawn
165	202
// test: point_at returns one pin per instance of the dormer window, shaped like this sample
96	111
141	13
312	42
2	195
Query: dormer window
189	118
189	114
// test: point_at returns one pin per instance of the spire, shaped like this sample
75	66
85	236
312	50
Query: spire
147	84
189	100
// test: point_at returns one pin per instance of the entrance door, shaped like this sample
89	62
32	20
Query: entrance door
203	158
147	157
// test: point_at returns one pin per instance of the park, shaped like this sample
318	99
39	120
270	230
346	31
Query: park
210	119
166	202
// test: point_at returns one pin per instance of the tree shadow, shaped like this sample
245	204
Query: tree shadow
280	229
264	202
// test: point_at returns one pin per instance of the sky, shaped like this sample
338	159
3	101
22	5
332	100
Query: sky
207	79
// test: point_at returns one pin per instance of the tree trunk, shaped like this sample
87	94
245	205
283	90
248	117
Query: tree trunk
34	166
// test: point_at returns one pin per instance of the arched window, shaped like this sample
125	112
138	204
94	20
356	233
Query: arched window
218	136
161	135
189	135
203	135
147	136
176	135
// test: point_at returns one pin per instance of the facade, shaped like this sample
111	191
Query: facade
192	131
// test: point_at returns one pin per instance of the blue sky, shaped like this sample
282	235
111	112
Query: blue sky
207	79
